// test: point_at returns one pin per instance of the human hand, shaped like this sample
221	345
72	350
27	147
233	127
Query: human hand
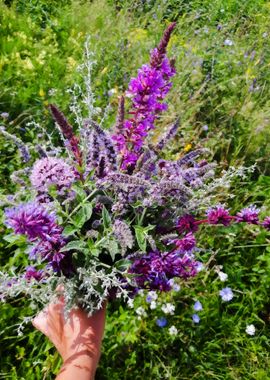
77	339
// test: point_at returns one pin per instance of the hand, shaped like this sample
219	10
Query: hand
77	339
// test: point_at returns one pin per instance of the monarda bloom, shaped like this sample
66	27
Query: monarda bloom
32	220
52	171
218	215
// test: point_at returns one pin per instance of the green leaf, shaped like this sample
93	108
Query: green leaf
78	190
77	245
141	237
69	230
83	215
106	217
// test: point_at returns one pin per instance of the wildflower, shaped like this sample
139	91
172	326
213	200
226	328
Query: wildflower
173	330
250	329
186	223
32	220
199	266
196	318
218	214
266	223
197	306
226	294
205	128
123	235
151	296
249	215
32	273
153	305
228	42
222	276
161	322
141	311
51	171
4	115
130	302
176	287
168	308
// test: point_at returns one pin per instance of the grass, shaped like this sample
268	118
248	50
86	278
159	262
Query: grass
221	84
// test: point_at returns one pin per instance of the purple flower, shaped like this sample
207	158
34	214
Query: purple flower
161	322
187	243
32	220
186	223
266	223
249	215
218	215
52	171
196	318
32	273
226	294
197	306
147	92
156	269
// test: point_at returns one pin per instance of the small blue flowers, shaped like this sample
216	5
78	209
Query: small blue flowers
226	294
197	306
196	318
161	322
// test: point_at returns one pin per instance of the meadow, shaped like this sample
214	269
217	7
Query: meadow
221	94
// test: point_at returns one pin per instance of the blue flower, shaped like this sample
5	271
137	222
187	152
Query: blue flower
226	294
197	306
161	322
196	318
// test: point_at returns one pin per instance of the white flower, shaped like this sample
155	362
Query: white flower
176	287
250	330
228	42
168	308
197	306
226	294
153	295
153	305
141	311
130	302
222	276
173	330
141	292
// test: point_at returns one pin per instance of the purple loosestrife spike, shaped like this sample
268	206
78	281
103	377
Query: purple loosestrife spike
249	215
68	133
266	223
32	220
52	171
147	92
218	215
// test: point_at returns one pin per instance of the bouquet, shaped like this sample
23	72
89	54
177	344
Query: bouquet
107	215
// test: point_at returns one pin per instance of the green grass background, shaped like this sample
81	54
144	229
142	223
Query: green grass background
224	86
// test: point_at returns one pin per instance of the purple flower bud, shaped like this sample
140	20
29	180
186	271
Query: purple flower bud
266	223
186	223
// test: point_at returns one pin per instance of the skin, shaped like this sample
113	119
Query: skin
77	339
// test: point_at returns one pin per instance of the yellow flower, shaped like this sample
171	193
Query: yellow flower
187	148
41	93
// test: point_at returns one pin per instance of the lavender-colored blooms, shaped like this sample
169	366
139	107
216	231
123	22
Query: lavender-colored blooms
32	273
218	215
196	318
24	151
4	115
154	270
226	294
32	220
123	235
161	322
186	223
266	223
52	171
197	306
249	215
